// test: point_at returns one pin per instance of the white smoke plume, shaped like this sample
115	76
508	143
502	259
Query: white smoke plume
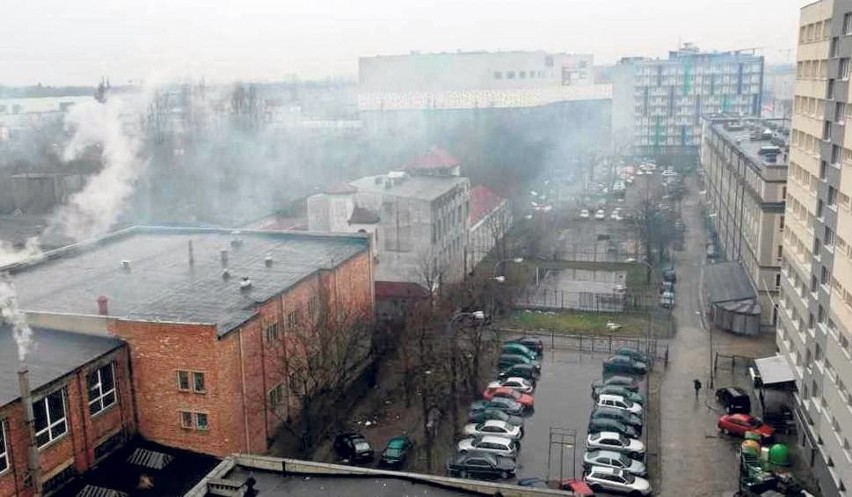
11	314
10	254
95	209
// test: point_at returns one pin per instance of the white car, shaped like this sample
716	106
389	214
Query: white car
639	172
648	166
615	216
669	173
584	214
599	478
520	384
494	427
610	440
619	402
611	459
600	214
494	445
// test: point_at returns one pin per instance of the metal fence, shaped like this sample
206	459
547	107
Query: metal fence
538	297
658	349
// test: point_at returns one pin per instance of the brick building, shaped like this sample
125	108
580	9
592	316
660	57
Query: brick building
217	322
82	404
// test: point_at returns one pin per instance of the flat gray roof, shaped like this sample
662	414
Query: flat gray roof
751	147
774	370
54	355
419	187
162	285
727	282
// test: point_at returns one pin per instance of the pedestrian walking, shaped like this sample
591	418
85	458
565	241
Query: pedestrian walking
697	384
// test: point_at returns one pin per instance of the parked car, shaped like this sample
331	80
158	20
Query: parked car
481	465
619	402
495	428
669	274
506	361
625	417
486	414
625	365
612	459
578	488
525	399
616	480
599	425
508	406
669	173
584	214
634	354
739	424
353	447
520	384
667	300
627	382
525	371
618	390
531	343
519	349
735	400
610	440
490	444
666	286
600	214
396	451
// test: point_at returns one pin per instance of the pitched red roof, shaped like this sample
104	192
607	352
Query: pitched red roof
482	201
399	289
435	158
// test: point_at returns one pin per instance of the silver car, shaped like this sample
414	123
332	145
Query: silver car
612	459
615	480
494	445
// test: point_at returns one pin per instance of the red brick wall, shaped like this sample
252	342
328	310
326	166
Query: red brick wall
84	433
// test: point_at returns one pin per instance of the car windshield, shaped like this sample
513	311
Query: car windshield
362	446
625	461
623	440
513	394
754	422
393	452
628	478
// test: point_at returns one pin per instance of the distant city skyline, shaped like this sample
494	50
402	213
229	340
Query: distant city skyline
75	43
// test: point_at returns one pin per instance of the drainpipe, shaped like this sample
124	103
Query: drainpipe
32	450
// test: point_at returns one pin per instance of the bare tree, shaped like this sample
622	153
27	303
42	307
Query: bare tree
430	270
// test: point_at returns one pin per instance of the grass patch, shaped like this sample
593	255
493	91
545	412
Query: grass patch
636	272
584	323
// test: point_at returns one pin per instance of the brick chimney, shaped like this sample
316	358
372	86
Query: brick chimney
103	306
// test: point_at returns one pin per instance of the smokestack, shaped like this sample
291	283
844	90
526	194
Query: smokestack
32	450
191	254
223	256
103	305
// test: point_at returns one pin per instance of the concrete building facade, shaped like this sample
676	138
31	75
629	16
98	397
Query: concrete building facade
82	402
745	179
815	328
219	325
658	103
490	219
473	71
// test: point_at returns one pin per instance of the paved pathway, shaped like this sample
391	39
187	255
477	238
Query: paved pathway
695	460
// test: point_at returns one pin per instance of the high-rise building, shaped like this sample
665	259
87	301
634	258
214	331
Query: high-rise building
815	302
658	103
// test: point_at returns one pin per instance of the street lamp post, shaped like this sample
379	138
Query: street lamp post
478	316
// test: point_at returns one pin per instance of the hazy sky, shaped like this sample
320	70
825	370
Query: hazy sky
75	42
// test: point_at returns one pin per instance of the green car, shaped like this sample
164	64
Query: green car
519	349
396	451
508	360
618	390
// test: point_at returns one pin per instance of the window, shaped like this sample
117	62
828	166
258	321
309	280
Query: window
847	23
833	47
844	69
826	130
835	154
4	458
49	415
523	74
510	75
498	75
313	305
198	382
186	419
829	91
292	319
780	251
822	168
272	332
778	280
832	196
840	113
276	396
183	380
101	389
819	208
829	237
201	421
781	223
823	275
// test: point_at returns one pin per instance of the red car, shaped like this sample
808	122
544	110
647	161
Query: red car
524	399
739	424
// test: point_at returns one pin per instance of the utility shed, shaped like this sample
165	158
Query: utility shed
731	298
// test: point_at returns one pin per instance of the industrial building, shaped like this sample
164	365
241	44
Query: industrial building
744	162
657	104
815	302
218	324
490	219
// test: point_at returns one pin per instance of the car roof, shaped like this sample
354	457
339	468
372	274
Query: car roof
496	422
610	396
740	416
604	470
604	453
477	454
397	442
734	390
495	439
516	378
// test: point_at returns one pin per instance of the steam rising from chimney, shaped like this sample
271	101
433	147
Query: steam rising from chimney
11	314
96	208
11	255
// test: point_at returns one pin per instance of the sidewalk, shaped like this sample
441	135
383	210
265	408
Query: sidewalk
695	460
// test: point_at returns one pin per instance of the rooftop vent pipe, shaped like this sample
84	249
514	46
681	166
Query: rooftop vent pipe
245	284
268	260
226	274
103	305
125	264
223	256
29	420
236	241
191	254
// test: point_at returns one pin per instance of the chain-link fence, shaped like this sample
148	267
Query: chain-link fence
607	344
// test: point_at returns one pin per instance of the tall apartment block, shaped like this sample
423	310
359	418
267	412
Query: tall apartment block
816	289
658	103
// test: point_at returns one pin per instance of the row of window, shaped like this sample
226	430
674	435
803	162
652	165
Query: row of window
718	67
193	420
523	74
293	320
813	32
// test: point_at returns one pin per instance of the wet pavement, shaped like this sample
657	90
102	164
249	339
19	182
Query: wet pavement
695	460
